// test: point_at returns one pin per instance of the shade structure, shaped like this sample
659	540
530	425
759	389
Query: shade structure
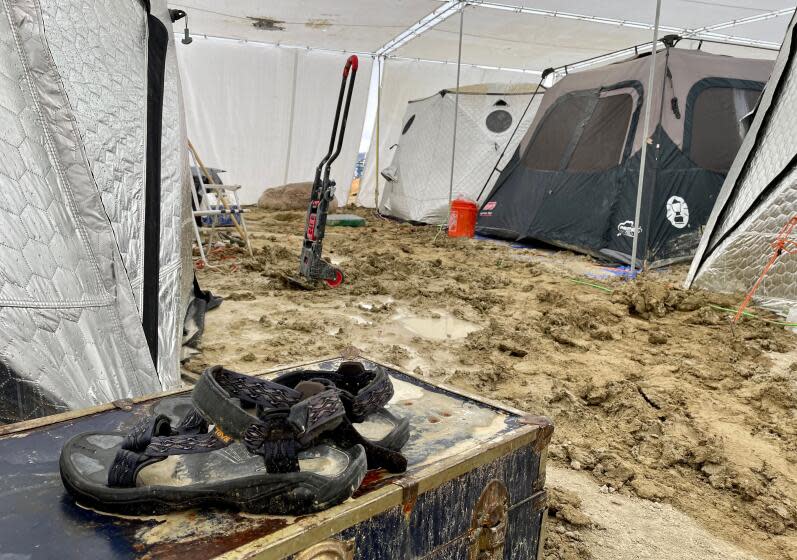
493	118
758	198
91	300
416	41
572	181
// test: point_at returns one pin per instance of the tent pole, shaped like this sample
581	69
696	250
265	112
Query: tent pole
378	103
648	99
456	108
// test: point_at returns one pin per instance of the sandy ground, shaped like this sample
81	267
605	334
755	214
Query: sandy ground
675	434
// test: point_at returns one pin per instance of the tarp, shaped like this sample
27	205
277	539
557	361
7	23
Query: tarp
80	151
757	199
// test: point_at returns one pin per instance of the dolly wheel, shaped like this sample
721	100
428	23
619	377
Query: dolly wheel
337	281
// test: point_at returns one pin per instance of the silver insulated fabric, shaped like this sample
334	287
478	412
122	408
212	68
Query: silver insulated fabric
73	130
757	199
419	177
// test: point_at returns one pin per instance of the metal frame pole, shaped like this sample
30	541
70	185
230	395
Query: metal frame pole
456	106
648	99
379	59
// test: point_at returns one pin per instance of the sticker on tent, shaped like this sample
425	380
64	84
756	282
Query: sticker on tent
627	228
488	208
678	212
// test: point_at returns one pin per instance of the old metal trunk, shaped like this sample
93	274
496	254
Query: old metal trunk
474	490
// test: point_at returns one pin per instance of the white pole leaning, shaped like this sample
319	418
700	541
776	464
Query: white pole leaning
646	128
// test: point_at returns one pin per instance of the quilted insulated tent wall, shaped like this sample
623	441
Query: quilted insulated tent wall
573	180
93	186
757	199
419	177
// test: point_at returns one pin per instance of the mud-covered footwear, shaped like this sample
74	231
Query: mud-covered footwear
261	457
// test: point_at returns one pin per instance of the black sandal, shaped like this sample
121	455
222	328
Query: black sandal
261	460
364	393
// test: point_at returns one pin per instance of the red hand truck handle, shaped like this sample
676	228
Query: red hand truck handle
351	64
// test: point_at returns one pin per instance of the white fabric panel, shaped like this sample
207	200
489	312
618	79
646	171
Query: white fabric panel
240	104
402	81
317	86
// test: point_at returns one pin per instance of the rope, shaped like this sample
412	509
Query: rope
782	245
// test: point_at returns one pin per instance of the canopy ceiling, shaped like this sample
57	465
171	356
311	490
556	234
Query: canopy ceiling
346	25
556	33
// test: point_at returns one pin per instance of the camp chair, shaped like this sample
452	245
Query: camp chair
213	211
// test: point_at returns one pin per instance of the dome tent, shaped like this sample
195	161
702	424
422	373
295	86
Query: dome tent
572	182
419	177
757	199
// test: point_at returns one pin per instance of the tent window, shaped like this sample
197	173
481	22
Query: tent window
407	125
555	133
498	121
601	144
717	127
500	103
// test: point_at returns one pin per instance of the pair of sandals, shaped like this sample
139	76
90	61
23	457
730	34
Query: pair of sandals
299	443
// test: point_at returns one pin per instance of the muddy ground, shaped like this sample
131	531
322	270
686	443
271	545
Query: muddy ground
653	395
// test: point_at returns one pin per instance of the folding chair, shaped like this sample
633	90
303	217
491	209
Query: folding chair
212	209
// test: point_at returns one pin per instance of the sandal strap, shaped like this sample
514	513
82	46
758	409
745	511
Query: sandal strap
192	423
140	435
363	391
378	456
128	463
306	415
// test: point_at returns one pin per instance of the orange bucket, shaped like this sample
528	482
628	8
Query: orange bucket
462	219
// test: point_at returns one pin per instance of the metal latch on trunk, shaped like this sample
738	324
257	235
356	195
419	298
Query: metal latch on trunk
488	528
329	550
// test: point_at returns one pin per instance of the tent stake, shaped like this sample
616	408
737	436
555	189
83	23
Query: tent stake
456	109
648	99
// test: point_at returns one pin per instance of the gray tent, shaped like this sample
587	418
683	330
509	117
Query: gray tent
758	198
94	257
419	177
573	180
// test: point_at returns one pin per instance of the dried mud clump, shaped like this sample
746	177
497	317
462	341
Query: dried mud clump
565	518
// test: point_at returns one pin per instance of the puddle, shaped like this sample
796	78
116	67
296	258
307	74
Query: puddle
357	320
443	326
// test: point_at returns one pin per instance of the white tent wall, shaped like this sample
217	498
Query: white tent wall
758	198
265	113
404	80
